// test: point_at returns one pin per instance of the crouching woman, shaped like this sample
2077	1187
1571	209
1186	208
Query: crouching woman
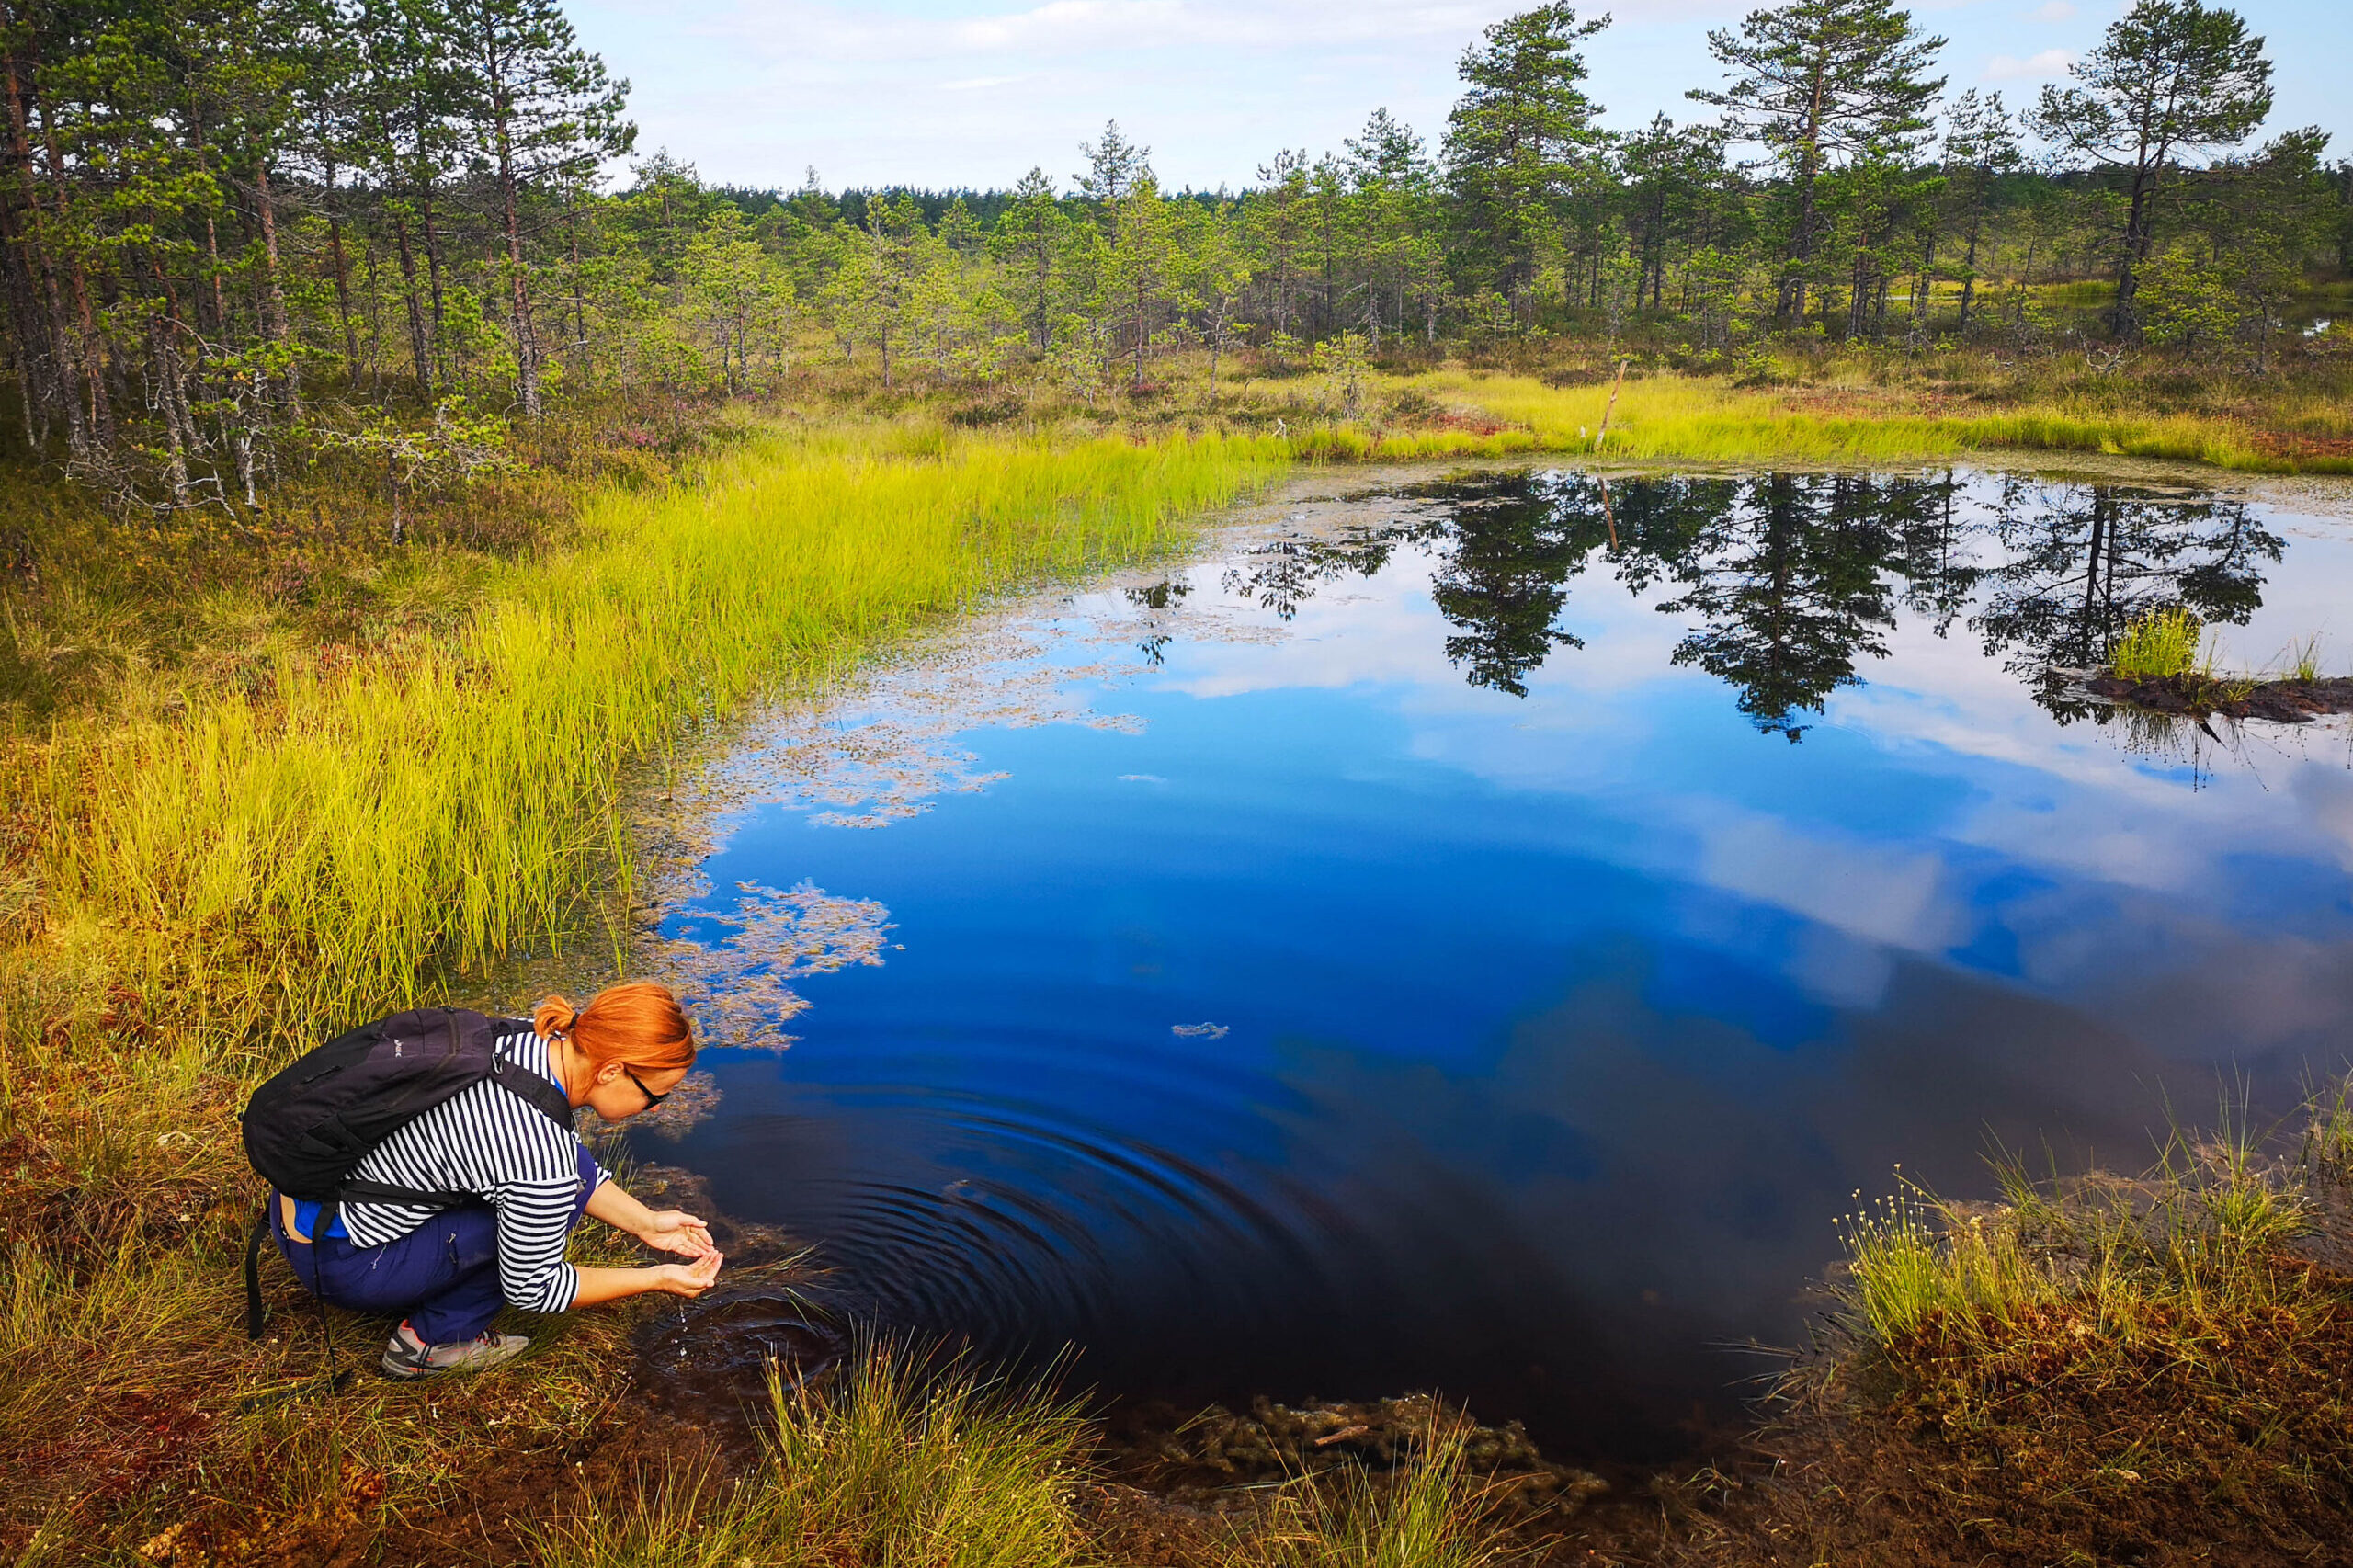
506	1182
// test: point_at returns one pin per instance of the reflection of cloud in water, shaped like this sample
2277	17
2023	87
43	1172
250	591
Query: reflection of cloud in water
1638	1163
884	746
2326	795
884	751
1874	891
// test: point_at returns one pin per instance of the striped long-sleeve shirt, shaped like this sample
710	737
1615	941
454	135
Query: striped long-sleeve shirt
490	1141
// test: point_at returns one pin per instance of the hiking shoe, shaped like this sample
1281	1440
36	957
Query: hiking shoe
409	1356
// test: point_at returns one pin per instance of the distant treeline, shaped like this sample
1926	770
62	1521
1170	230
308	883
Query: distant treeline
233	230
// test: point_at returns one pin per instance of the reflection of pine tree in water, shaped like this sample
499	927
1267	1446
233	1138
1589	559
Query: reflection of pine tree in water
1157	599
1509	558
2083	561
1794	579
1284	575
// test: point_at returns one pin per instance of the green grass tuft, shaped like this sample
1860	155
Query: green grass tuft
2303	659
2157	646
1429	1511
888	1465
1911	1261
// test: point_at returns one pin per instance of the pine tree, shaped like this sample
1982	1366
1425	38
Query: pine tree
1278	218
1823	84
1030	240
894	252
1114	165
1395	218
960	232
1981	148
1672	177
1216	272
543	115
1141	271
1519	141
738	292
407	92
2170	77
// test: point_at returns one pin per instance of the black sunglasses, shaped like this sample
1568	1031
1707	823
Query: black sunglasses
652	1099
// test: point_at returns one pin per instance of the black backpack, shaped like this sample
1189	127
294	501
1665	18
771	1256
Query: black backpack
307	1127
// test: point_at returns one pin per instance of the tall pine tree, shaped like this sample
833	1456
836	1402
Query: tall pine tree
2170	77
544	115
1824	84
1518	142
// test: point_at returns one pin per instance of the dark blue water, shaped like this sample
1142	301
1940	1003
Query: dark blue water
1421	945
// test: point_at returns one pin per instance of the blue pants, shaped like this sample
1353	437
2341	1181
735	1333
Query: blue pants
441	1276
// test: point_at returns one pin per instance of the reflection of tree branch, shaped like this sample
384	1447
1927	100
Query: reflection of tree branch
1793	575
1284	575
1511	549
1795	579
2083	561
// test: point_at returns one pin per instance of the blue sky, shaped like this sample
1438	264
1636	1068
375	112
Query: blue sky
974	92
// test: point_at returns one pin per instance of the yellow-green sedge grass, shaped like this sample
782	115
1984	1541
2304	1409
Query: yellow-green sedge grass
1698	419
2161	644
888	1463
363	829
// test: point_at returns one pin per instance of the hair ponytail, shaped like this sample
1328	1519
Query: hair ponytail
554	1016
639	1024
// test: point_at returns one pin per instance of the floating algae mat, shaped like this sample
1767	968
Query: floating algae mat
1477	935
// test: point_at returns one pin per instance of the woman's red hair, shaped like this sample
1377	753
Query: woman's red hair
639	1025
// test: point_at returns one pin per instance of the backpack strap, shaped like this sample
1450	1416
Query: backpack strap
256	1314
532	1089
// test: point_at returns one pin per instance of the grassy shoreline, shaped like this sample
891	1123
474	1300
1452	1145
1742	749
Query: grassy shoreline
2105	1369
204	860
201	885
1693	419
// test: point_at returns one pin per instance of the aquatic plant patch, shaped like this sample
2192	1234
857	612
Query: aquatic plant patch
2145	1370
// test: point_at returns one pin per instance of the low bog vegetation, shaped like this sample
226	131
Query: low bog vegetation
2102	1371
327	845
898	1464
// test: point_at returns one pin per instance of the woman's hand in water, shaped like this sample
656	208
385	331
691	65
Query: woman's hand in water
687	1278
675	1229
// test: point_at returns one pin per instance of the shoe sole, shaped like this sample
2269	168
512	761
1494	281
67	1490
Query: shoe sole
402	1371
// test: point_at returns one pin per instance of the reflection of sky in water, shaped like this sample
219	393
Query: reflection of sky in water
1559	1026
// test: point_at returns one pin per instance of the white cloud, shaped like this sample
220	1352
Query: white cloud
885	91
1081	24
2053	11
1064	28
876	91
2050	64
